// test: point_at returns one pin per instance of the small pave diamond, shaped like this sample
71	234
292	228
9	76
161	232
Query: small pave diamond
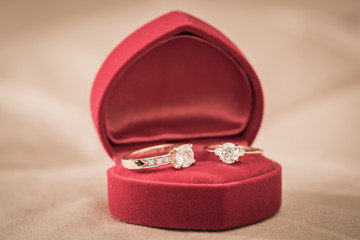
229	152
166	159
159	161
151	162
154	162
182	156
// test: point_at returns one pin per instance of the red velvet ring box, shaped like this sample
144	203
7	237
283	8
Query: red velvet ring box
179	80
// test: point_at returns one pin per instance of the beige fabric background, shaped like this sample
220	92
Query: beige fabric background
52	166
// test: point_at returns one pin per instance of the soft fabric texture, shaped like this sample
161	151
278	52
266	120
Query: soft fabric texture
190	205
132	62
186	87
53	170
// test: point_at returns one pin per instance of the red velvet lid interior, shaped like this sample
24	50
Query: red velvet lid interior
184	88
175	79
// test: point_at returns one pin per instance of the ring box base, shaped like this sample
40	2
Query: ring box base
197	200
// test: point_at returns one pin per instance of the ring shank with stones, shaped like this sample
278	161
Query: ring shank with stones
230	152
179	155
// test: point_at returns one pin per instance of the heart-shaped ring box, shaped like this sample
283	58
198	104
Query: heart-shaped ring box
179	80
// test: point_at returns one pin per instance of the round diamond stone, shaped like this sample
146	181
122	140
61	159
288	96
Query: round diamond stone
182	156
229	152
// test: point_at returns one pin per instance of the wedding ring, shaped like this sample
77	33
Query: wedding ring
230	152
179	155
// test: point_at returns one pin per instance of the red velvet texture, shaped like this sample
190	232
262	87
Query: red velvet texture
190	96
177	79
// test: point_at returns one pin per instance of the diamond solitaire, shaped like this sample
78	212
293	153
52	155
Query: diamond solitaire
182	156
230	152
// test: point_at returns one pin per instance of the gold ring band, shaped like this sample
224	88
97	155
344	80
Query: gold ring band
179	155
248	150
230	152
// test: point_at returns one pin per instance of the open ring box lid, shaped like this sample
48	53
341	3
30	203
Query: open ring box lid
179	80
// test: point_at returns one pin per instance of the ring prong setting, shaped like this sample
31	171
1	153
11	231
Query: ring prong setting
229	153
182	156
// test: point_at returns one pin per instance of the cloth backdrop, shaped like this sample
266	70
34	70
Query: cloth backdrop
53	167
